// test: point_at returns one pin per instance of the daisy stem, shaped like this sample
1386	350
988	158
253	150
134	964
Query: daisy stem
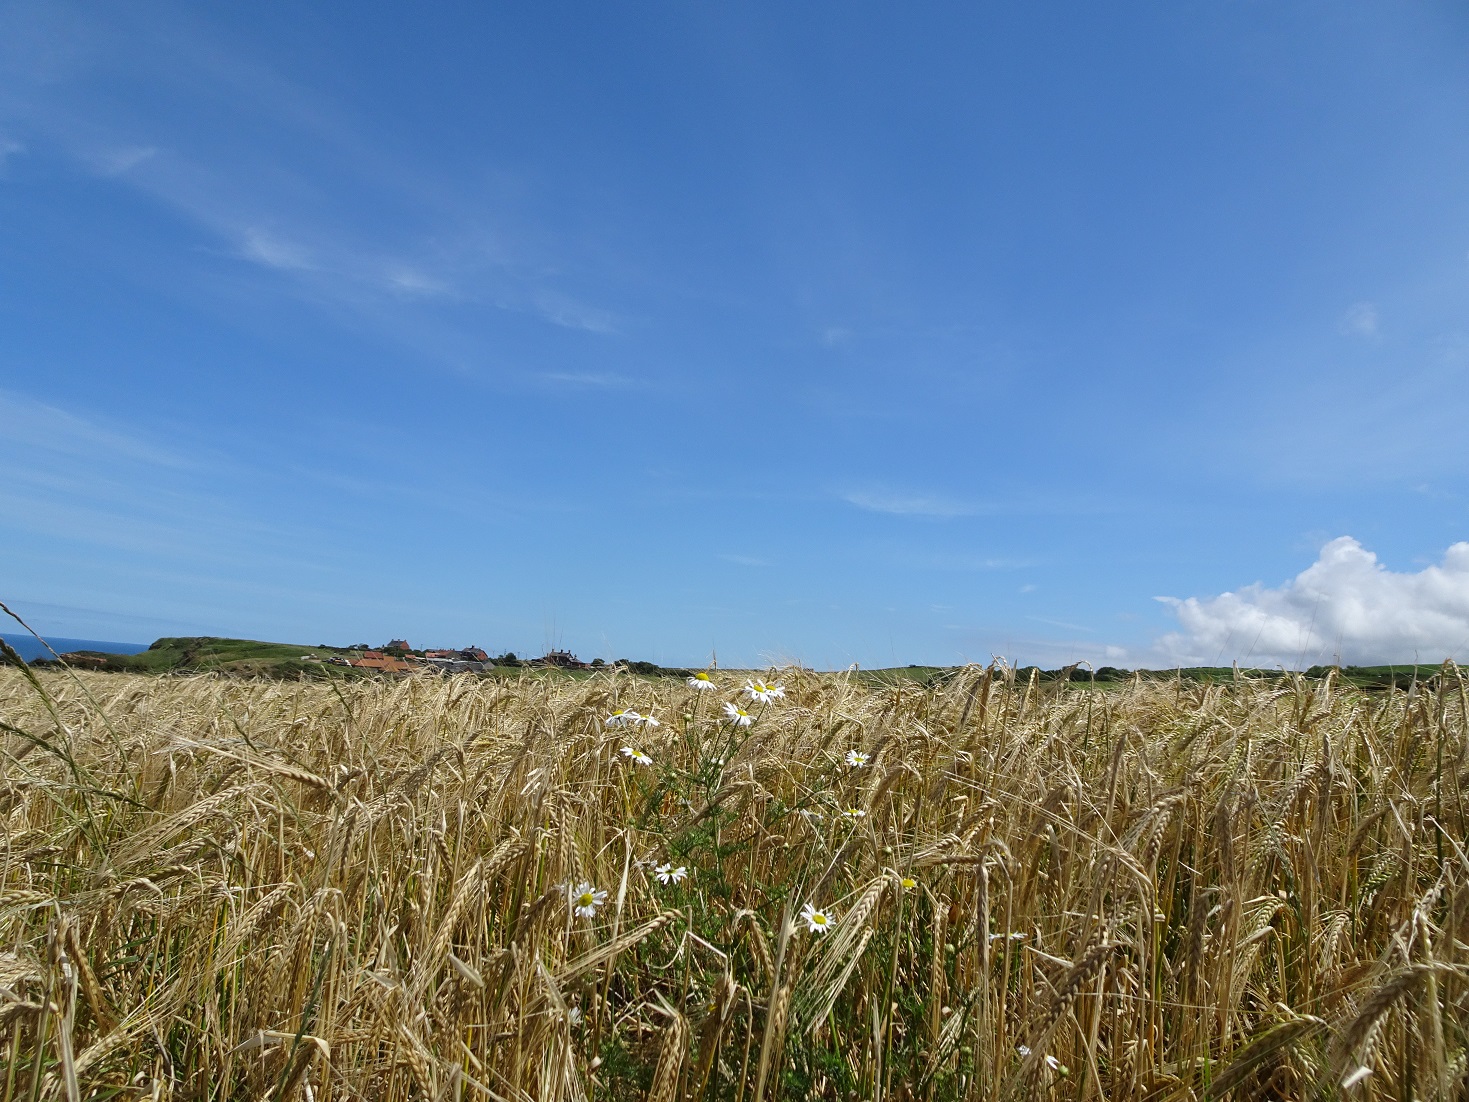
691	728
688	963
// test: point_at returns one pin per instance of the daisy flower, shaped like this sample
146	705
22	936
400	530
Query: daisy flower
1024	1050
623	716
585	899
737	715
856	759
908	883
701	681
636	756
648	721
818	922
668	874
1056	1065
854	813
762	693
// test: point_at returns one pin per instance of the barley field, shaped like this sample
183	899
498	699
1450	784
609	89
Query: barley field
985	888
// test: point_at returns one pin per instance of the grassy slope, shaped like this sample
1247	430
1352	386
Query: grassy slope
245	656
236	656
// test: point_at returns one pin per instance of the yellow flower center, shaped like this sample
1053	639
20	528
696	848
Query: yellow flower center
585	899
819	919
909	883
701	676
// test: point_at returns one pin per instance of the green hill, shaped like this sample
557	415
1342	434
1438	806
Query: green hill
206	653
254	658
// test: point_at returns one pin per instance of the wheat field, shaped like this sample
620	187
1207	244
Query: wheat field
450	889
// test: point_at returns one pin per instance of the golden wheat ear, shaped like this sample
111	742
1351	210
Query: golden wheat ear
1131	889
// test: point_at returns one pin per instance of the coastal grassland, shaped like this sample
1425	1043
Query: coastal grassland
221	888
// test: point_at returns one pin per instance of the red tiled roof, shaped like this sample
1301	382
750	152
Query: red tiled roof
371	661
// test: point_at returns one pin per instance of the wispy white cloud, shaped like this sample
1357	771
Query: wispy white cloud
907	504
116	162
903	502
562	309
344	274
272	251
47	429
1346	605
948	560
745	560
1360	320
82	481
414	281
1062	624
77	621
274	200
588	380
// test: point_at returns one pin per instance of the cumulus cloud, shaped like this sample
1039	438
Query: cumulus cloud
1346	605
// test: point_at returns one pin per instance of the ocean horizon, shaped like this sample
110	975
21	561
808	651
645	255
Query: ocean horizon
29	649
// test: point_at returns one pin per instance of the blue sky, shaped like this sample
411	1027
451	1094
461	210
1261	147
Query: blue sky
822	333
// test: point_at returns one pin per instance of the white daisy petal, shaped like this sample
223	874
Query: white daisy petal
817	922
737	715
762	693
585	899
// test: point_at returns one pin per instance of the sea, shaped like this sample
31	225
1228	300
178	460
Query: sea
27	647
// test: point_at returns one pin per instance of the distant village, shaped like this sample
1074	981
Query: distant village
398	656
